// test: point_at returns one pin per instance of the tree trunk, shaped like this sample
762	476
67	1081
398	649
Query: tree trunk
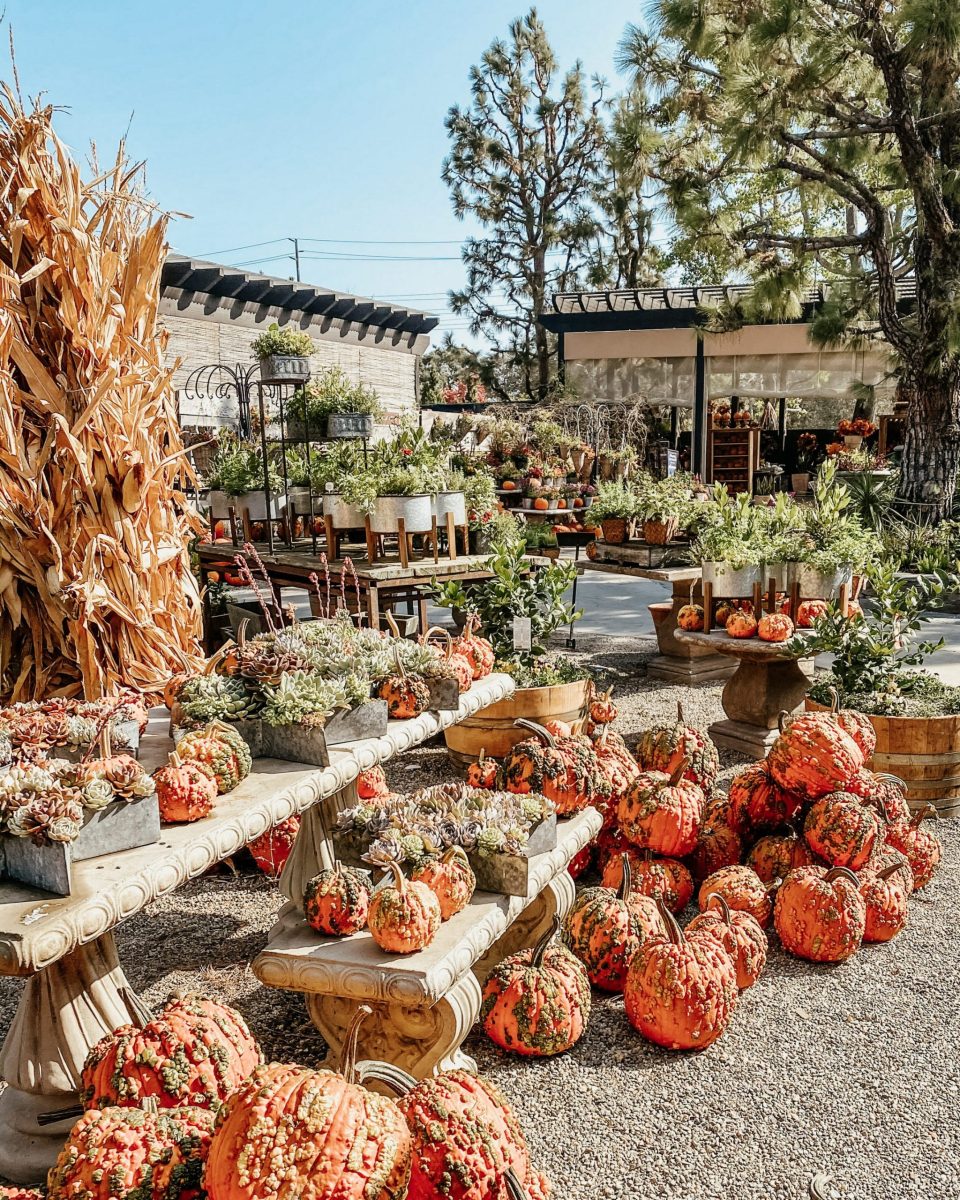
543	362
928	469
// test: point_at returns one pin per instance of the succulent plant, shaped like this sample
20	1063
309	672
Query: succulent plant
215	697
301	694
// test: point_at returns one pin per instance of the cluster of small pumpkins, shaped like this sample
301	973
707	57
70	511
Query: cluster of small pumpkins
470	656
403	915
844	881
207	763
185	1107
739	620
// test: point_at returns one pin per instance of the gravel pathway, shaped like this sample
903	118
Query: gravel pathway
851	1070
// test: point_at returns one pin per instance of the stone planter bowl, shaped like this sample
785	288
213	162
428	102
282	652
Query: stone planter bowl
450	502
416	512
342	514
285	368
729	582
350	425
818	585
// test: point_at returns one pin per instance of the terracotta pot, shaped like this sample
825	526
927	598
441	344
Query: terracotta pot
492	729
614	530
800	482
658	533
852	441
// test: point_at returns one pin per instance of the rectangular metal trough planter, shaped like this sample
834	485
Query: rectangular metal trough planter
122	825
300	743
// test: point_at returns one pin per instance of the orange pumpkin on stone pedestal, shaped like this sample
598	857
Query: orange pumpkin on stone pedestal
775	627
404	916
741	624
690	618
810	611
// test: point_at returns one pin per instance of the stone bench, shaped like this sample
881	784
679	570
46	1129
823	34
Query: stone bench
423	1004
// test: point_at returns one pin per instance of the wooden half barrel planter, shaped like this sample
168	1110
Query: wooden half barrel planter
922	751
492	729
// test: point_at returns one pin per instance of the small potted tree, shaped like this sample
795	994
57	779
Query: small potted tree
613	509
284	355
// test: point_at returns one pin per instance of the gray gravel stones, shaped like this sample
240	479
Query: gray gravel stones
852	1070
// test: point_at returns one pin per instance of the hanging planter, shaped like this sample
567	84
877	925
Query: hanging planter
284	355
350	425
416	512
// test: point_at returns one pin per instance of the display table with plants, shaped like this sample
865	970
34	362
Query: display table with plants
424	1003
516	611
877	669
76	991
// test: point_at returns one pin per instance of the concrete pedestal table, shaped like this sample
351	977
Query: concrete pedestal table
677	662
423	1004
76	990
768	680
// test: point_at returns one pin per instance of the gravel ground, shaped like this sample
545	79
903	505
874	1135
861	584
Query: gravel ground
851	1070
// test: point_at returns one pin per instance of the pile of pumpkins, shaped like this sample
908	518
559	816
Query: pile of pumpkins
185	1107
739	620
809	841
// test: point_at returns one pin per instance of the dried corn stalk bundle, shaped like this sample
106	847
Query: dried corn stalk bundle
95	582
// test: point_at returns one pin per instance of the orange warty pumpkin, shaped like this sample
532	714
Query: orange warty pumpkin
372	783
272	849
18	1193
809	612
171	689
582	861
775	627
887	794
741	624
717	846
658	878
563	769
664	747
404	917
661	812
842	831
820	915
537	1002
605	928
690	618
856	724
757	802
738	933
451	879
132	1152
719	811
484	773
722	613
602	709
814	756
336	901
476	650
743	891
289	1133
680	992
885	895
186	791
617	764
776	855
922	849
407	696
194	1052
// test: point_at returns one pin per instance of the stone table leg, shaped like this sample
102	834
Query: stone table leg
753	698
313	849
64	1010
424	1041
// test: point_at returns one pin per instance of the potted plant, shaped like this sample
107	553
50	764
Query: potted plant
540	539
731	544
833	544
876	669
284	355
613	509
616	464
853	432
546	688
237	477
334	407
298	481
808	449
661	506
451	498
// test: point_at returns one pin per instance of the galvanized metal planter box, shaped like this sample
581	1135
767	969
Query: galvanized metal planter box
124	739
444	695
508	874
122	825
285	368
299	743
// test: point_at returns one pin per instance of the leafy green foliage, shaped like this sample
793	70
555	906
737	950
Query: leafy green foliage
614	502
237	467
516	590
282	341
329	393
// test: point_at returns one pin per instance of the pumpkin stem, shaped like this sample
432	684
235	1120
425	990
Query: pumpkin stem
834	700
818	1186
540	949
626	880
841	873
174	760
348	1055
515	1189
401	669
391	623
399	881
724	907
674	932
682	767
894	779
105	747
544	734
455	852
891	870
921	815
782	720
399	1082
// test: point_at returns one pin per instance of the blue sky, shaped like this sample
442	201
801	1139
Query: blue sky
320	120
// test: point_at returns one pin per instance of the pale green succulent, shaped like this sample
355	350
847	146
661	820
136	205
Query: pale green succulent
302	694
215	698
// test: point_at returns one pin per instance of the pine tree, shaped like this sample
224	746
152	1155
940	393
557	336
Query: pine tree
826	134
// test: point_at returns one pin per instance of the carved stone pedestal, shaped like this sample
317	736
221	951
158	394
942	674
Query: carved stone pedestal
65	1009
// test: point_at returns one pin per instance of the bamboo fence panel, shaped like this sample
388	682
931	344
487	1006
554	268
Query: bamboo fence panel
96	590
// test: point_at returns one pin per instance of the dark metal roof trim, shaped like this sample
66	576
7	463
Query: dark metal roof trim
184	274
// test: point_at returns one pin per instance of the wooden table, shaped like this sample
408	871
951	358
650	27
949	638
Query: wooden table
768	680
678	661
76	990
379	585
424	1004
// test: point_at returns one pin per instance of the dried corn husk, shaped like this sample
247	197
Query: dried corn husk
95	583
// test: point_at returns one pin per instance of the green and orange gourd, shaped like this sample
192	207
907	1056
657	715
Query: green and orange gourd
451	879
680	991
336	901
842	831
664	747
186	790
222	750
536	1003
661	812
403	916
738	933
819	914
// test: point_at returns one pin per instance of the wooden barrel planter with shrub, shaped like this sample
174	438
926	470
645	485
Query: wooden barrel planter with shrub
924	752
492	729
